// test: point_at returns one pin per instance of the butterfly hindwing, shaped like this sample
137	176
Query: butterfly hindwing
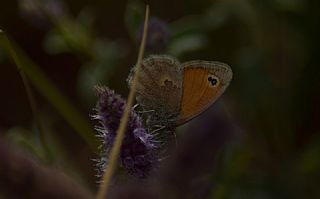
159	86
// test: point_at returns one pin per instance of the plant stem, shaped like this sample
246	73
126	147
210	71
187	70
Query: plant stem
49	91
113	159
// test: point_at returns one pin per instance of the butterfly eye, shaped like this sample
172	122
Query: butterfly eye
213	81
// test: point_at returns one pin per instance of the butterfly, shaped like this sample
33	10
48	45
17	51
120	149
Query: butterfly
175	92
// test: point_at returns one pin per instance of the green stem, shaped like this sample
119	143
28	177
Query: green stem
49	91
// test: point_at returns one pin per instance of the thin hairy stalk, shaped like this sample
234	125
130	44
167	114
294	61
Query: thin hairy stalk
113	159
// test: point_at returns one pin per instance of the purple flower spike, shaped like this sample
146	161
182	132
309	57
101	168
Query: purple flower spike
138	151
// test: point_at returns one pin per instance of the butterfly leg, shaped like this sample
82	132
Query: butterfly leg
159	128
135	106
147	111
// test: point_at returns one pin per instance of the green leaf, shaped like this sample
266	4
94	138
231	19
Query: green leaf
49	91
187	43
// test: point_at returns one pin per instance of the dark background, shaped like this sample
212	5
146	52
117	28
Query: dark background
272	102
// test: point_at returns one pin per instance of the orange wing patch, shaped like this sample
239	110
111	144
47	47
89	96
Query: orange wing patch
198	93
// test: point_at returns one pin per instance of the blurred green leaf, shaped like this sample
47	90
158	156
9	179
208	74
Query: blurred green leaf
70	35
24	139
31	144
134	17
187	43
99	70
310	161
50	92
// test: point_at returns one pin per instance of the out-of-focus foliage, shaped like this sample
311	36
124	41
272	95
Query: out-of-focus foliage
266	122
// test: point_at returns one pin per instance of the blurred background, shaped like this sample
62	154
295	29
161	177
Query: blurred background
262	137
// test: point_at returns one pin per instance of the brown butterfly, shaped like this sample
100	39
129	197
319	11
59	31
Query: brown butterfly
174	93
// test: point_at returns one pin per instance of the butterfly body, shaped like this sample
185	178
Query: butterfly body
174	93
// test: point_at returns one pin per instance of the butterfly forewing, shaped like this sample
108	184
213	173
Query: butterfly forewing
203	83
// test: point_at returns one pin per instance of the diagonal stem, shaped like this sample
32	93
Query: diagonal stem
49	91
113	159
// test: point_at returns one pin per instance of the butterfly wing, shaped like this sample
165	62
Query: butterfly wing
203	83
159	86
